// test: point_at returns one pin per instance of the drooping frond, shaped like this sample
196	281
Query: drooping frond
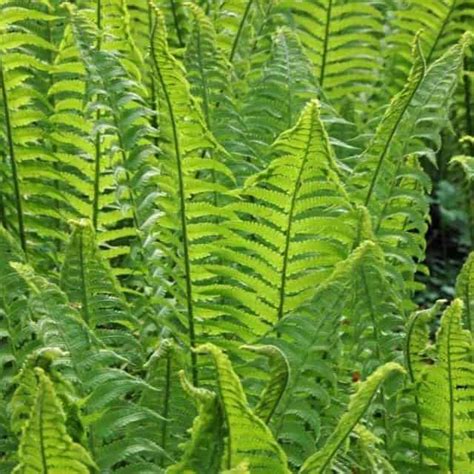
249	439
277	383
203	453
360	401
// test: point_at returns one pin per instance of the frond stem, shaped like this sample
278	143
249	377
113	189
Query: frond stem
182	206
239	31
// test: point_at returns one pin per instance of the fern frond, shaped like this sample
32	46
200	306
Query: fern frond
209	74
360	401
289	221
28	212
168	399
403	221
309	338
277	383
249	439
343	40
278	90
418	112
185	142
16	333
465	291
45	445
203	453
408	427
443	22
90	285
445	393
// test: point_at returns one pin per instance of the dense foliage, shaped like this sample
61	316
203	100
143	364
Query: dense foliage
213	221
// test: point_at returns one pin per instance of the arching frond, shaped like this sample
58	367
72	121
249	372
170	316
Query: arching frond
249	439
417	112
279	376
203	453
360	401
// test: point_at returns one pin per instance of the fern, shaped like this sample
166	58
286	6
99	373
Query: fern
204	451
21	111
291	212
342	40
374	181
45	445
442	23
223	189
259	450
89	284
464	289
182	146
359	403
447	426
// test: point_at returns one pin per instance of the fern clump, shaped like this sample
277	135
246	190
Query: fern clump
214	222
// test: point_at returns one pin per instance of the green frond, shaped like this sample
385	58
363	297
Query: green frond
249	439
417	112
187	146
90	285
204	451
309	337
403	221
26	211
289	220
442	21
209	73
278	90
465	291
360	401
277	383
45	445
16	332
445	392
342	40
167	399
